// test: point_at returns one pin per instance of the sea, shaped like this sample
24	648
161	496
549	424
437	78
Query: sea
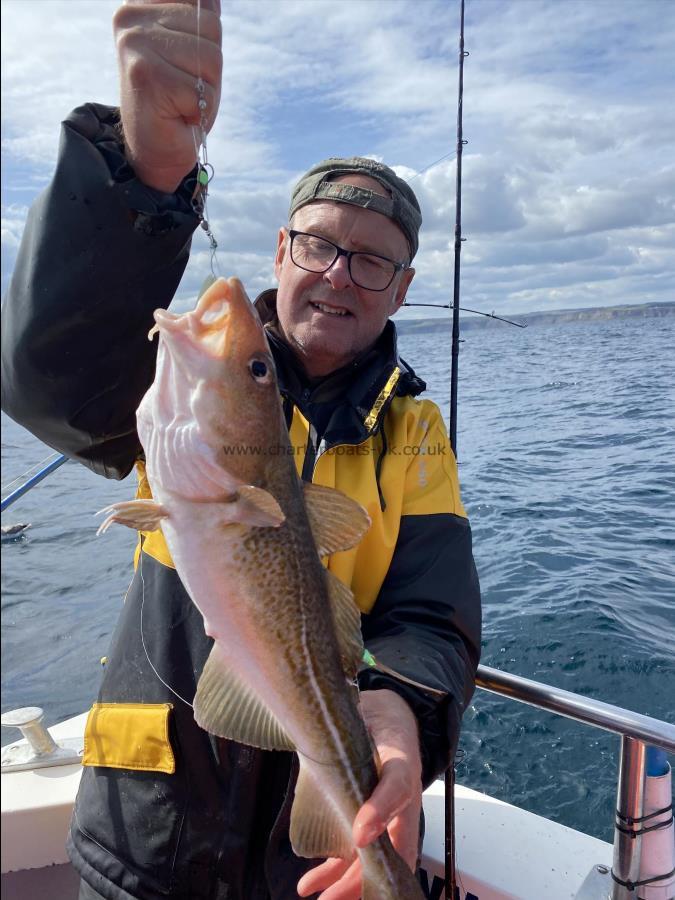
566	442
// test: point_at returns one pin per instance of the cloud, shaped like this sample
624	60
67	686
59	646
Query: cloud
53	53
647	201
13	218
568	185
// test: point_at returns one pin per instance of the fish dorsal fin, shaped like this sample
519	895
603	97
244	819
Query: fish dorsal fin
228	708
255	506
316	829
337	521
347	619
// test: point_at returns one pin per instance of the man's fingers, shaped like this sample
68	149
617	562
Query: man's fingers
348	887
322	876
404	832
181	17
392	795
207	6
162	49
395	803
168	30
169	77
213	5
161	56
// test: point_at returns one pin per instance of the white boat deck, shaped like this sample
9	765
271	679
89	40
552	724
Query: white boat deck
502	851
506	852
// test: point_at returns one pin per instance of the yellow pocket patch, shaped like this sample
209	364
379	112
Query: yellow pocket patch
129	736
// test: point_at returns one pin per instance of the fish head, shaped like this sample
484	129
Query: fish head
215	369
214	337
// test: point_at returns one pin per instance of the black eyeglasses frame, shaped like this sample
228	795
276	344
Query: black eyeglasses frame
398	266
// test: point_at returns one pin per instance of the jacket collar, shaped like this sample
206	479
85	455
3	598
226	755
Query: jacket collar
348	405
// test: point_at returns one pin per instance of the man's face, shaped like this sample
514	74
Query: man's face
325	318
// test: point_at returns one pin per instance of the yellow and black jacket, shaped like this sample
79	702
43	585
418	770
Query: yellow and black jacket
164	809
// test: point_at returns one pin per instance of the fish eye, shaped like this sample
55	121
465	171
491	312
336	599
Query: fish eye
259	370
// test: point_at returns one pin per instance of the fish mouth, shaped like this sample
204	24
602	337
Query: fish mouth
223	320
206	325
211	314
165	322
213	309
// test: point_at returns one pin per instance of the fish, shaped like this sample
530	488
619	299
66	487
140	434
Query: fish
247	538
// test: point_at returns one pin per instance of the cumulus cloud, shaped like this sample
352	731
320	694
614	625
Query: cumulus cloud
569	189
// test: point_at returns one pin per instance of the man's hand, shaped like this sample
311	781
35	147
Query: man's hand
395	804
160	58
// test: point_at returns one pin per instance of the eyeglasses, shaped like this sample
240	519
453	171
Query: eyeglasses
367	270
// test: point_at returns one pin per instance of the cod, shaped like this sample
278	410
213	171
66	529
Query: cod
287	639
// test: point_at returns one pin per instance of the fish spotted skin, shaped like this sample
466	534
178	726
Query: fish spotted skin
286	632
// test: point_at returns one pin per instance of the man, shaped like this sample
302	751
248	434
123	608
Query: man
164	809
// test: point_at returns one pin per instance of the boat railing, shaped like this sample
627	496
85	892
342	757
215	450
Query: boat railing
636	732
55	461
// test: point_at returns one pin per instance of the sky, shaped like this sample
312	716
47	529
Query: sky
568	194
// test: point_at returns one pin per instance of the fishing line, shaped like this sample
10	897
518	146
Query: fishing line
205	171
370	662
147	655
431	165
477	312
28	472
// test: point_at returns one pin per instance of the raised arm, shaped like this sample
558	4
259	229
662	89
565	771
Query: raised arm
108	241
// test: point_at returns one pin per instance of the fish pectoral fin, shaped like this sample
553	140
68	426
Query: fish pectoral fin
225	706
255	506
338	522
347	619
141	515
316	829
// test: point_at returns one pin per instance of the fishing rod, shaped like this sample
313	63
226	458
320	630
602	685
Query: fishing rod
450	872
477	312
458	244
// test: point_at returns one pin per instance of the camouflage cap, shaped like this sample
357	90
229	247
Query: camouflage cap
400	205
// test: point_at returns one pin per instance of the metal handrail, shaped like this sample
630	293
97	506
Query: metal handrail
575	706
636	732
